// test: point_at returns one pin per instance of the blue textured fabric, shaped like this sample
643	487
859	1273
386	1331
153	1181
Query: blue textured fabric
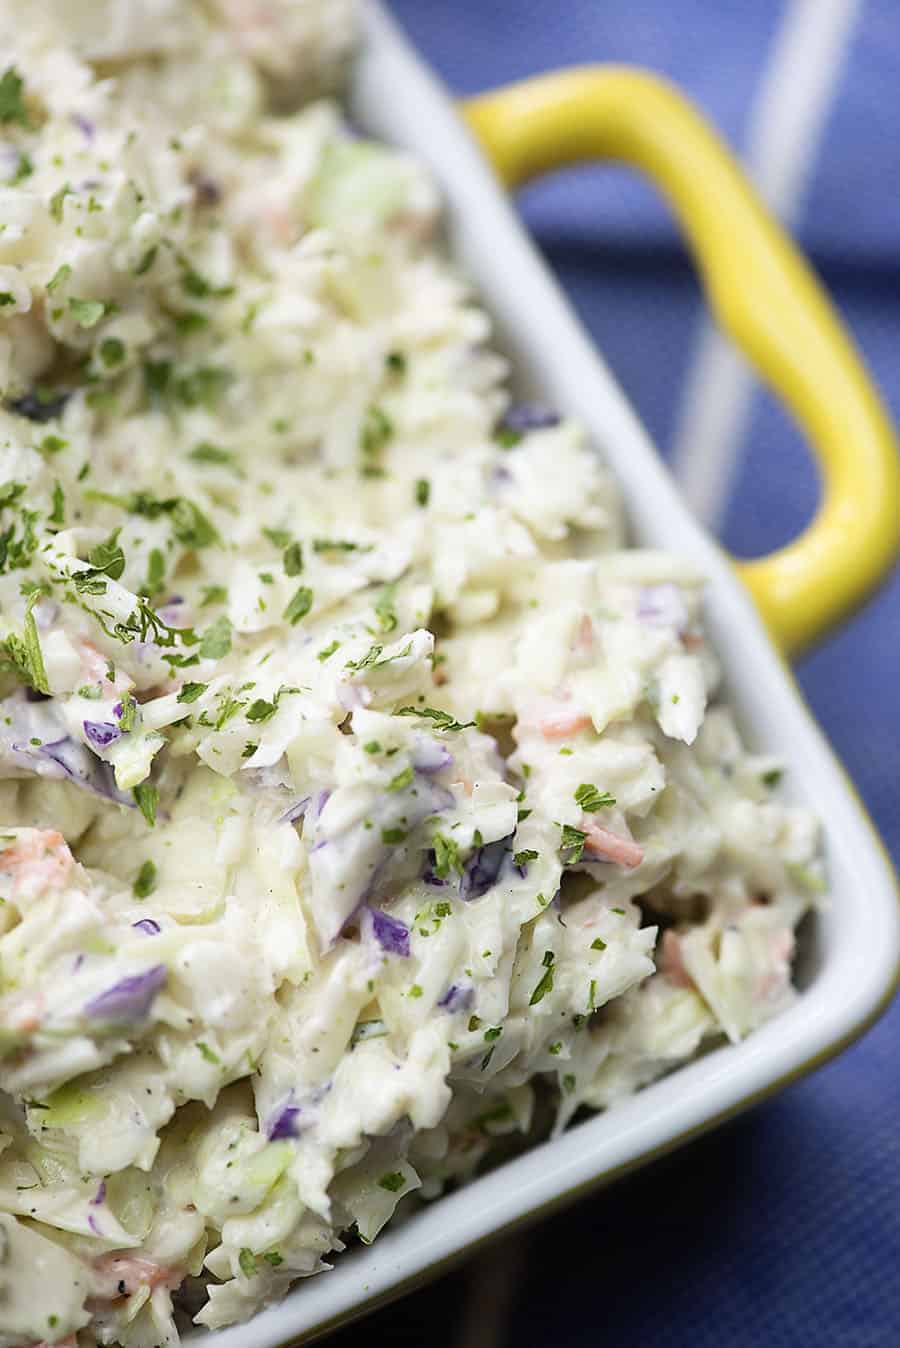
783	1229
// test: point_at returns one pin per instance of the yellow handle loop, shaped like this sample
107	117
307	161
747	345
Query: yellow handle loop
762	293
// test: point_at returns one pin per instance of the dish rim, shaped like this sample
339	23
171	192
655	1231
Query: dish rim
858	961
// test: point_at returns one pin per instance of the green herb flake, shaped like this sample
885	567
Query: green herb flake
377	430
87	313
280	537
442	719
207	1055
299	605
216	640
214	594
508	439
492	1034
112	352
415	991
292	559
59	277
12	106
328	651
190	526
191	691
522	858
568	1082
591	799
402	780
56	201
546	983
772	777
25	655
146	261
447	860
393	1182
247	1261
147	798
598	943
384	608
422	491
273	1258
392	836
145	881
260	710
128	714
58	513
205	452
53	444
572	844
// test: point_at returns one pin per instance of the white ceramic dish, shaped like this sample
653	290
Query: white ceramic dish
851	953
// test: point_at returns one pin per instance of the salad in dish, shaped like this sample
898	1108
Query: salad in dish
365	803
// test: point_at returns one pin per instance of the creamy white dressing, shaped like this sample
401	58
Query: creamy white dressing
358	786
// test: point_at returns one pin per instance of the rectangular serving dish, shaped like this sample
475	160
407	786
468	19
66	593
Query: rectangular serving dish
849	958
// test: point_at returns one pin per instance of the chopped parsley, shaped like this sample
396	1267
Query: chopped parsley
391	836
214	594
393	1182
207	1055
147	798
402	780
299	606
247	1261
447	860
112	352
598	943
384	608
280	537
292	560
522	858
127	715
191	691
328	651
591	799
58	513
87	313
12	106
422	491
442	719
145	881
25	655
216	640
58	278
205	452
376	431
572	844
338	545
546	983
260	710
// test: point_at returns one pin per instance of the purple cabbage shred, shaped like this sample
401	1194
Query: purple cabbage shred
456	998
522	417
101	733
482	869
390	933
283	1123
130	999
148	926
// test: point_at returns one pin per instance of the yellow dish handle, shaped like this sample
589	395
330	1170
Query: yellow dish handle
762	293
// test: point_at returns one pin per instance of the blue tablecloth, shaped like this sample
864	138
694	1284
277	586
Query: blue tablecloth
783	1229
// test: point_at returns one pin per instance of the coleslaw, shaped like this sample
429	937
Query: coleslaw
365	799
